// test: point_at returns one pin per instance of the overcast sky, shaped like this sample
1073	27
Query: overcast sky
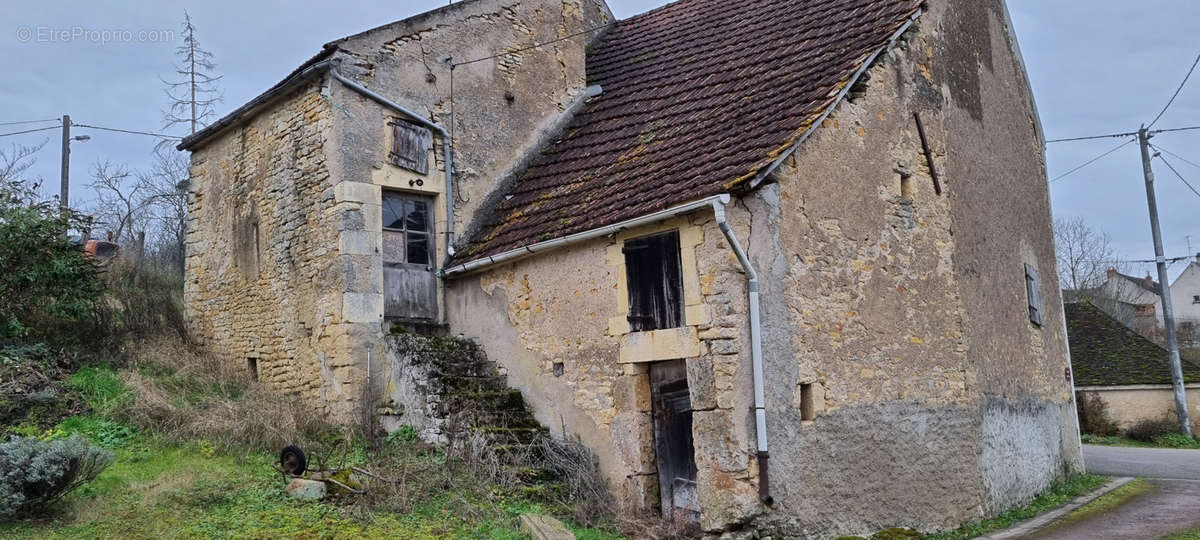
1096	67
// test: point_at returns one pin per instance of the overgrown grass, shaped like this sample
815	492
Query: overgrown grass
1108	501
1170	440
1060	493
160	489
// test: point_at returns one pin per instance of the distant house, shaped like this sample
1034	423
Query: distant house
1135	301
1185	300
1129	372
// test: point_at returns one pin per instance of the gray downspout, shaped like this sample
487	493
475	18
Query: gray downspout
447	145
760	408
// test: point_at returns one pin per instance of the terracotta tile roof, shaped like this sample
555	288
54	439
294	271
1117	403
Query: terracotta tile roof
1105	352
698	97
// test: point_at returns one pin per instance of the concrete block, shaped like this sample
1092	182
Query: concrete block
305	489
542	527
359	242
362	307
359	192
666	344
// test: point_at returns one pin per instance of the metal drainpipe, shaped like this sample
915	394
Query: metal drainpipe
760	408
447	145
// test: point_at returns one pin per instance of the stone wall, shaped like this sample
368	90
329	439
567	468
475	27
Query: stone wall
1128	405
900	358
265	277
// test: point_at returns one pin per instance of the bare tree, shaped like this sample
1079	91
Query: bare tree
121	201
165	189
194	93
16	161
1084	255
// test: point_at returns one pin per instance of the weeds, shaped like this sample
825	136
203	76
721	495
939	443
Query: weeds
187	396
1152	428
1094	417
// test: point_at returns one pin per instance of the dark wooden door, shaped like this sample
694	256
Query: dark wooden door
674	450
409	276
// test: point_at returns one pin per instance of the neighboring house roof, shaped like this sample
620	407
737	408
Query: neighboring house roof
1105	352
699	97
1146	283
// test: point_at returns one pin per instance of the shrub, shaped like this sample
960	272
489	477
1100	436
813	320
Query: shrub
1094	417
588	493
51	291
1152	428
35	473
1176	440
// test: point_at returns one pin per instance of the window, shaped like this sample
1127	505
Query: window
1196	299
808	409
410	146
1033	289
655	284
410	217
252	367
1144	310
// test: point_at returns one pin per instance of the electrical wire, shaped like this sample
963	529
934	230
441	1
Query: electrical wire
29	131
159	135
1091	161
1177	175
1114	135
31	122
1176	156
1177	90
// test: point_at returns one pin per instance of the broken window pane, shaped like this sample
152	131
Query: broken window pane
417	248
393	211
416	217
655	282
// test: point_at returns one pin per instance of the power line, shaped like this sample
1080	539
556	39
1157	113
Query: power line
30	122
1177	156
1177	90
29	131
1177	175
1115	135
1091	161
160	135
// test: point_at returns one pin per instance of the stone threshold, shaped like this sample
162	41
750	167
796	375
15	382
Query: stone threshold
1029	526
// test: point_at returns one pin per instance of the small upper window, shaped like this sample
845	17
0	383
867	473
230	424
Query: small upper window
1196	299
1033	289
655	284
410	146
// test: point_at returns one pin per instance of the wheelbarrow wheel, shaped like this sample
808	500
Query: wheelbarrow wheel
292	460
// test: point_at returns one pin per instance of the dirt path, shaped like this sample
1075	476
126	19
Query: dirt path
1168	508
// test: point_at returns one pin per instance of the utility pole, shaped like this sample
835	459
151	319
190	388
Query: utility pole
1181	406
65	188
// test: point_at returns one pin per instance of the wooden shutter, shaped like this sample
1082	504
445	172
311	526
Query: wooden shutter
1033	289
410	146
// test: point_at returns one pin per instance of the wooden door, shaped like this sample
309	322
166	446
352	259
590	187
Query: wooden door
674	450
409	276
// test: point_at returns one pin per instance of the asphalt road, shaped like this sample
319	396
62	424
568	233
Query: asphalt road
1142	462
1169	507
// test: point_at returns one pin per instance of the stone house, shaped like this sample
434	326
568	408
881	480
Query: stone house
775	262
1130	373
1137	302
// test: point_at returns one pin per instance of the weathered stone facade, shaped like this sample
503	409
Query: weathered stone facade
898	349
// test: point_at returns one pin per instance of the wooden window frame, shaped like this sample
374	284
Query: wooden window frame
654	278
428	232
